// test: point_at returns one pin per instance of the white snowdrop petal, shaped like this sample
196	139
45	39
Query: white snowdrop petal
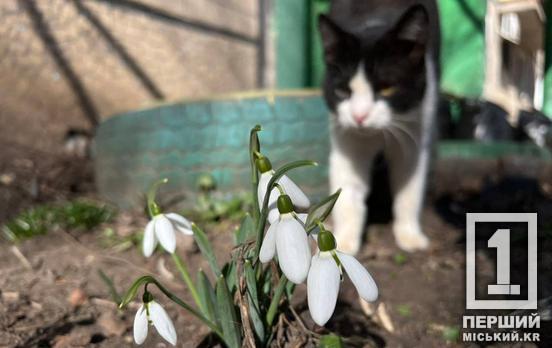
322	288
292	246
262	187
164	231
268	248
273	214
362	280
180	223
162	322
149	242
140	329
297	195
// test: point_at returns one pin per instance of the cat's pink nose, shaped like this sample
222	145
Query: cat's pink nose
360	117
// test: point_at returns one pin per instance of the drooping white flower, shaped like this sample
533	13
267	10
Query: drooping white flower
154	313
162	229
298	197
268	248
287	238
324	279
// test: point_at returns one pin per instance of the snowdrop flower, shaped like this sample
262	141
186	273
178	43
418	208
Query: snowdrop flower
162	228
325	276
151	311
287	237
298	197
268	248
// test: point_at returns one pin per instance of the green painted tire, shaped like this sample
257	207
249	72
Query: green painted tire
182	141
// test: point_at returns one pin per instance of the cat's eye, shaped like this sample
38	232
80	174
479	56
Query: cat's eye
342	93
388	91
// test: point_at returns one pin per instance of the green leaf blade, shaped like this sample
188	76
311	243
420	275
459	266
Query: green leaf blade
229	271
253	301
115	296
228	318
330	341
207	296
256	320
246	230
251	281
320	212
275	302
206	249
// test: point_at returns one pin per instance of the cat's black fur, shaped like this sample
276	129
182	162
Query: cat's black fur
390	38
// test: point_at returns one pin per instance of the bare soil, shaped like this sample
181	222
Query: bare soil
52	295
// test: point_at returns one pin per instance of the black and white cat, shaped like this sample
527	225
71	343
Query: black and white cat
381	85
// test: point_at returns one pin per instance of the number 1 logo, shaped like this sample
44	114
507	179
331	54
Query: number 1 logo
501	241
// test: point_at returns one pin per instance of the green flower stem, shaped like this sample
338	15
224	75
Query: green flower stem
145	280
153	208
254	148
200	316
261	223
273	308
281	189
187	279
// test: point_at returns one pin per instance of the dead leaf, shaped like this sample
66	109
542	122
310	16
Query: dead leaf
10	296
384	318
367	308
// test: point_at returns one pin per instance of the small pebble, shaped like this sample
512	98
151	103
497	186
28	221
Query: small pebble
77	297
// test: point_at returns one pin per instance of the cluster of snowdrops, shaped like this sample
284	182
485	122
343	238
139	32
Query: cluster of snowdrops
247	284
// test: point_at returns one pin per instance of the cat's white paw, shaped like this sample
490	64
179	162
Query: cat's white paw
347	243
409	237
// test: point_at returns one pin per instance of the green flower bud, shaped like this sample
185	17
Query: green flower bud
263	164
206	182
326	241
147	297
284	204
154	209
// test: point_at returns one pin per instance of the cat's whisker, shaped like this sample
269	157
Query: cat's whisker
404	118
400	127
360	132
400	139
397	137
385	141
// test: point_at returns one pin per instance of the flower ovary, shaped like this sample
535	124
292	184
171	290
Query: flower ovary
263	164
326	241
284	204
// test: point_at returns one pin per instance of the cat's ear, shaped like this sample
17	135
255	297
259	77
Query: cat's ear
334	40
413	26
410	35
